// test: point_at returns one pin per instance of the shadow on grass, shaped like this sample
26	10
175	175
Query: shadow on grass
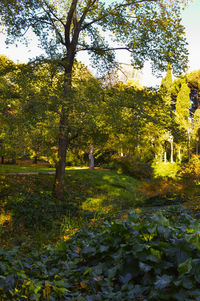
31	216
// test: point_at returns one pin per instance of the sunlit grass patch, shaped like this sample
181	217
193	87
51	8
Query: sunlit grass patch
97	205
7	168
166	169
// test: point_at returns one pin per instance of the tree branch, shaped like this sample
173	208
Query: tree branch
103	49
69	21
52	12
87	9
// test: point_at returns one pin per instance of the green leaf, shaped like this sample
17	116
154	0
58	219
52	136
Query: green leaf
126	278
145	267
185	267
163	282
103	248
187	283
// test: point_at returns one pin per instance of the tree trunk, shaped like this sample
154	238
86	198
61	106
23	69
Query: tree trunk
68	62
197	147
165	157
13	161
2	160
35	160
172	151
188	145
91	156
179	154
58	187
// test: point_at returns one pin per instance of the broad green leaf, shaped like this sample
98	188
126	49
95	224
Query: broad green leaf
185	267
163	281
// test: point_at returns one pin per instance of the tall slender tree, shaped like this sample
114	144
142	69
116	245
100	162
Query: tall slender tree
183	105
196	128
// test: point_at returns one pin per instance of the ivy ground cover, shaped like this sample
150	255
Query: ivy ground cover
154	258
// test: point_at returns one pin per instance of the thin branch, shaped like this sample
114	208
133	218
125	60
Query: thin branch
87	9
56	30
52	12
104	49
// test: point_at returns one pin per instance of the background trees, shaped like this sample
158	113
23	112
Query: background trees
123	119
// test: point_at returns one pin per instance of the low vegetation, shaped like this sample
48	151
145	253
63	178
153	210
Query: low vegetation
94	246
135	259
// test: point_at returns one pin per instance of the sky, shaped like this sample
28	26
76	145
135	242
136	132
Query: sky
190	19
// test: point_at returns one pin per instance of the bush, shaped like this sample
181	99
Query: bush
191	171
130	167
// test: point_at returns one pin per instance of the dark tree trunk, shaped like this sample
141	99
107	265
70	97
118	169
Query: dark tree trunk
35	159
2	160
91	156
70	41
58	188
13	161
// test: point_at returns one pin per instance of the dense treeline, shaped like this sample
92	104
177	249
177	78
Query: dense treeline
105	122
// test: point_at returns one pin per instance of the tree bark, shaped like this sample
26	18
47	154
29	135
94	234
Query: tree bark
197	147
91	157
188	145
58	187
172	151
71	42
2	160
179	154
13	161
165	157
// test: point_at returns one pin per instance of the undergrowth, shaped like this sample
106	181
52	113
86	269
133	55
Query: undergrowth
142	258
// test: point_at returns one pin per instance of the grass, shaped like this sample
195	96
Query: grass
31	218
8	168
166	169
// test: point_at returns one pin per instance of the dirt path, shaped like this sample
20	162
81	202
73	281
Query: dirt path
29	173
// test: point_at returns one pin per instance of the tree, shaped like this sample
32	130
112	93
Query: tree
183	105
148	29
9	100
196	128
166	86
193	79
165	91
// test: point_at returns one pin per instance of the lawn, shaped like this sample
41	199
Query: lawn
30	217
9	168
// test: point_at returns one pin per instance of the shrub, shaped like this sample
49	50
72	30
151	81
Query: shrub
191	171
132	168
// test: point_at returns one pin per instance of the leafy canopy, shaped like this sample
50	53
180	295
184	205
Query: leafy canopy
148	29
